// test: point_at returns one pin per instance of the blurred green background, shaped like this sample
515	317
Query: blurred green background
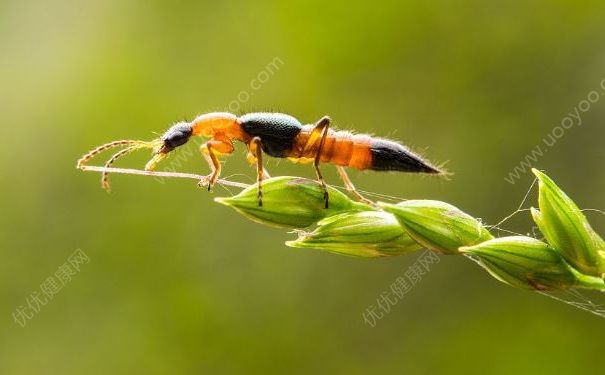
179	284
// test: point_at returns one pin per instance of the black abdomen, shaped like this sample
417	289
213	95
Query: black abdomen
276	131
391	156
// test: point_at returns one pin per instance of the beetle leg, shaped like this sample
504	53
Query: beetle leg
210	150
255	155
320	132
253	160
342	172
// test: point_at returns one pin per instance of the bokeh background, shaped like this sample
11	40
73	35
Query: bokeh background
179	284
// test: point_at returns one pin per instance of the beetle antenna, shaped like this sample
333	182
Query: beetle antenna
109	163
94	152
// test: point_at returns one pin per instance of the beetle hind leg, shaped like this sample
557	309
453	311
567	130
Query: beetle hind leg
320	132
344	176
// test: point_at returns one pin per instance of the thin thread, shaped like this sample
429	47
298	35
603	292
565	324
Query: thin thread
577	300
594	210
519	209
570	297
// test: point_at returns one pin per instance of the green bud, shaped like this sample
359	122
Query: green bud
525	262
290	202
566	229
364	234
438	226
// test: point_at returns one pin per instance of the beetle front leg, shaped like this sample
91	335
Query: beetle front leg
211	150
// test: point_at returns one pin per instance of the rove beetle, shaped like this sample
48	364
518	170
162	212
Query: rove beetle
281	136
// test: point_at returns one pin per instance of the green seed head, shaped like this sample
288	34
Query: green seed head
566	229
438	226
528	263
364	234
290	202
